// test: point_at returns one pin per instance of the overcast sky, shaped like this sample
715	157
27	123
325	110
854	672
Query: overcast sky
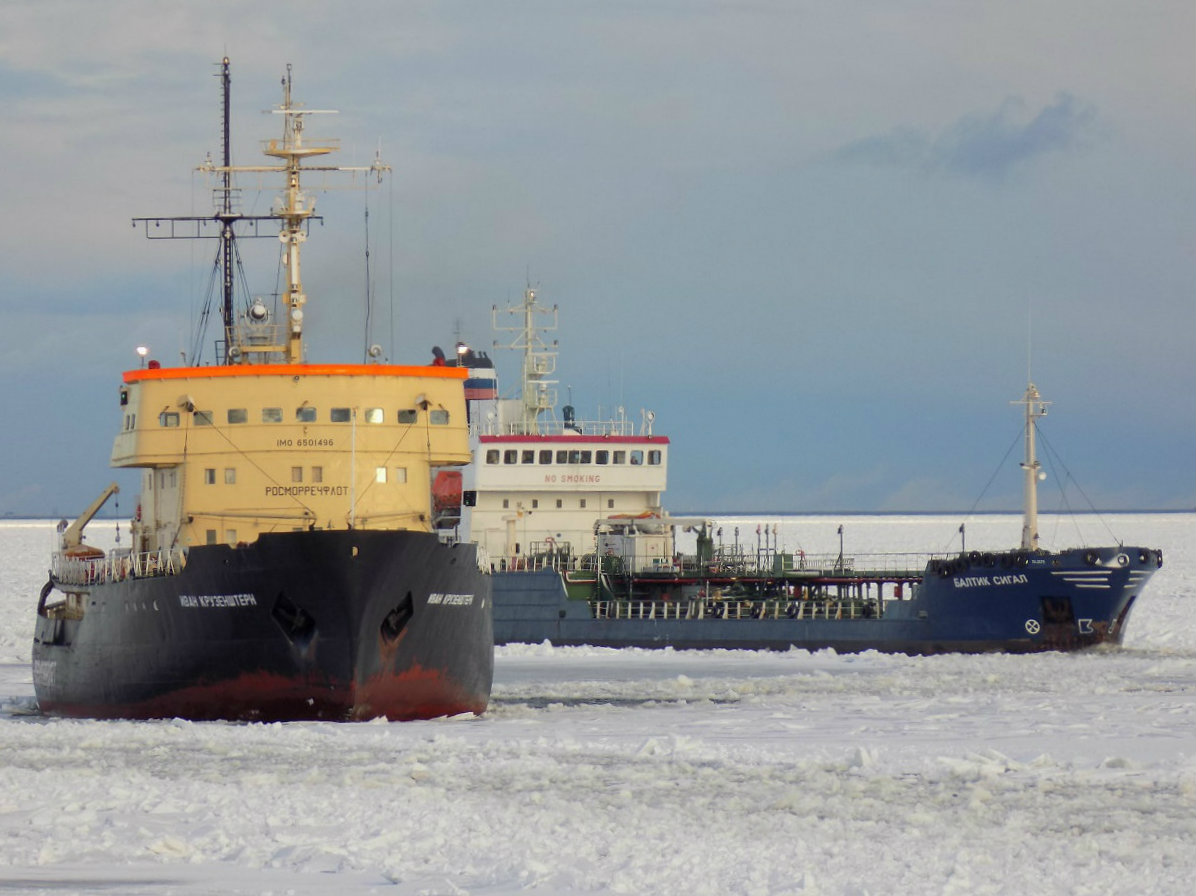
824	241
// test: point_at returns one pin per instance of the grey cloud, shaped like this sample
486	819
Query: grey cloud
988	147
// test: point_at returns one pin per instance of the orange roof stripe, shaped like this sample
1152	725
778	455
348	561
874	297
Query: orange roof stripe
235	370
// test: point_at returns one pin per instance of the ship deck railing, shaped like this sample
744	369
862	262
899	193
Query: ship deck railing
829	608
798	565
581	428
558	560
892	567
117	565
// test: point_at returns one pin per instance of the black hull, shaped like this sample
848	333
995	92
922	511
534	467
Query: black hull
1070	600
306	625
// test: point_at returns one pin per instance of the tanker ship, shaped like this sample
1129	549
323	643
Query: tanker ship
570	513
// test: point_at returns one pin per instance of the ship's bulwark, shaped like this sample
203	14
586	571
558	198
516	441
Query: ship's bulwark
303	625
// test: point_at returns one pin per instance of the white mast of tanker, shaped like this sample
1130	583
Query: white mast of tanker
539	358
1035	408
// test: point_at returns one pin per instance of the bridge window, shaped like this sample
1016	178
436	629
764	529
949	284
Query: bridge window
408	415
203	418
209	476
528	457
271	415
560	503
230	475
374	415
296	474
380	474
305	414
620	457
637	457
168	418
400	474
546	457
535	503
438	417
510	456
317	474
210	536
340	415
562	457
654	457
602	457
238	415
491	455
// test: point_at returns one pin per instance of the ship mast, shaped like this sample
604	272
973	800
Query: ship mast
539	358
257	340
1032	469
297	207
189	227
226	216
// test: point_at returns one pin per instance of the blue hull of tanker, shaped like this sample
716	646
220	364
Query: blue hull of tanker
1042	601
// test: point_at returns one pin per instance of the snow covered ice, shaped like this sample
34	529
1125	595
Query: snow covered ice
602	771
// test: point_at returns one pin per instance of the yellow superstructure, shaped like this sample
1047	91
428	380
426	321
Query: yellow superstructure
229	452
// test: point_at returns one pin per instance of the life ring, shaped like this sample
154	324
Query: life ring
791	611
